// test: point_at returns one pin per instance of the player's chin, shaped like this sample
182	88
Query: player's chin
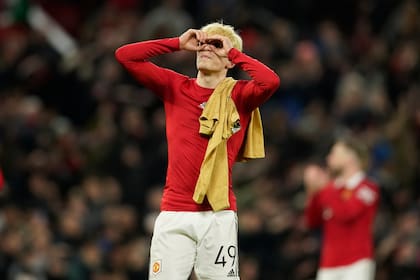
203	63
203	67
207	66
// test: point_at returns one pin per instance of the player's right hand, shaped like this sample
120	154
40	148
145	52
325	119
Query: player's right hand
190	39
314	178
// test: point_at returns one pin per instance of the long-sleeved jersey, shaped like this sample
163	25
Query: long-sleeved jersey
346	215
1	180
183	101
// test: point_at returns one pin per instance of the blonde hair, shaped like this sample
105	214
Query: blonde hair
217	28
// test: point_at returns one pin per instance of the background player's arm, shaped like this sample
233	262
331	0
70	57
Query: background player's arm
313	212
315	178
2	182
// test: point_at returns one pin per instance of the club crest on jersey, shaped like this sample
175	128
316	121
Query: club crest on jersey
346	194
157	266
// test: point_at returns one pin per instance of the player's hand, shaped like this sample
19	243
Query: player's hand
314	178
190	40
223	48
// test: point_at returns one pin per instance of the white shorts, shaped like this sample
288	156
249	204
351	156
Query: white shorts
204	241
360	270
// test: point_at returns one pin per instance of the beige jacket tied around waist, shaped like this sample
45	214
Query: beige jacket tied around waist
220	120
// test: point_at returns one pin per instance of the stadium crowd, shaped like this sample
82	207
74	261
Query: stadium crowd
83	151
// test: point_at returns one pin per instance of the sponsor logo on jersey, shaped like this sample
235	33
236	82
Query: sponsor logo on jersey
236	126
327	213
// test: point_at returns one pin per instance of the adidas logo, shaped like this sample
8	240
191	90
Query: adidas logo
231	273
202	105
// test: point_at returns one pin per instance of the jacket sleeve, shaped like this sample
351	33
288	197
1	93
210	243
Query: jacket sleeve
135	58
264	81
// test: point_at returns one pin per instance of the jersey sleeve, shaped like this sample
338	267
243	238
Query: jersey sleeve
348	210
313	211
264	81
1	180
136	57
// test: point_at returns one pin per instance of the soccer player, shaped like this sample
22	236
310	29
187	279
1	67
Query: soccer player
210	120
344	203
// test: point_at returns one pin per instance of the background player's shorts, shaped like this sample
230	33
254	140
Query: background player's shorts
360	270
203	241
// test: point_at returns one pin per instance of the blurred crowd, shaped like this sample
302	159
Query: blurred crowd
83	151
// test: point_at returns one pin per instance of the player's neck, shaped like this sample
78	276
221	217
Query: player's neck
349	172
210	79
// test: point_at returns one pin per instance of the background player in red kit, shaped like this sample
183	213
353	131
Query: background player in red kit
1	180
192	232
345	207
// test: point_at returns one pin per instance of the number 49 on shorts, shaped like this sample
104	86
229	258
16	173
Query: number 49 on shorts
226	256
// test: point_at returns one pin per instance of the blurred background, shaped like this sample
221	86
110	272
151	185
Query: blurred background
83	150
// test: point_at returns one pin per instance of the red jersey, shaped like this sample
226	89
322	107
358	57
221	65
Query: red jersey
183	101
1	180
346	214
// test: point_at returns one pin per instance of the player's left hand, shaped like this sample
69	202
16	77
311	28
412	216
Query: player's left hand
225	48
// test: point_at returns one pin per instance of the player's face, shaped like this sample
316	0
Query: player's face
338	158
208	60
